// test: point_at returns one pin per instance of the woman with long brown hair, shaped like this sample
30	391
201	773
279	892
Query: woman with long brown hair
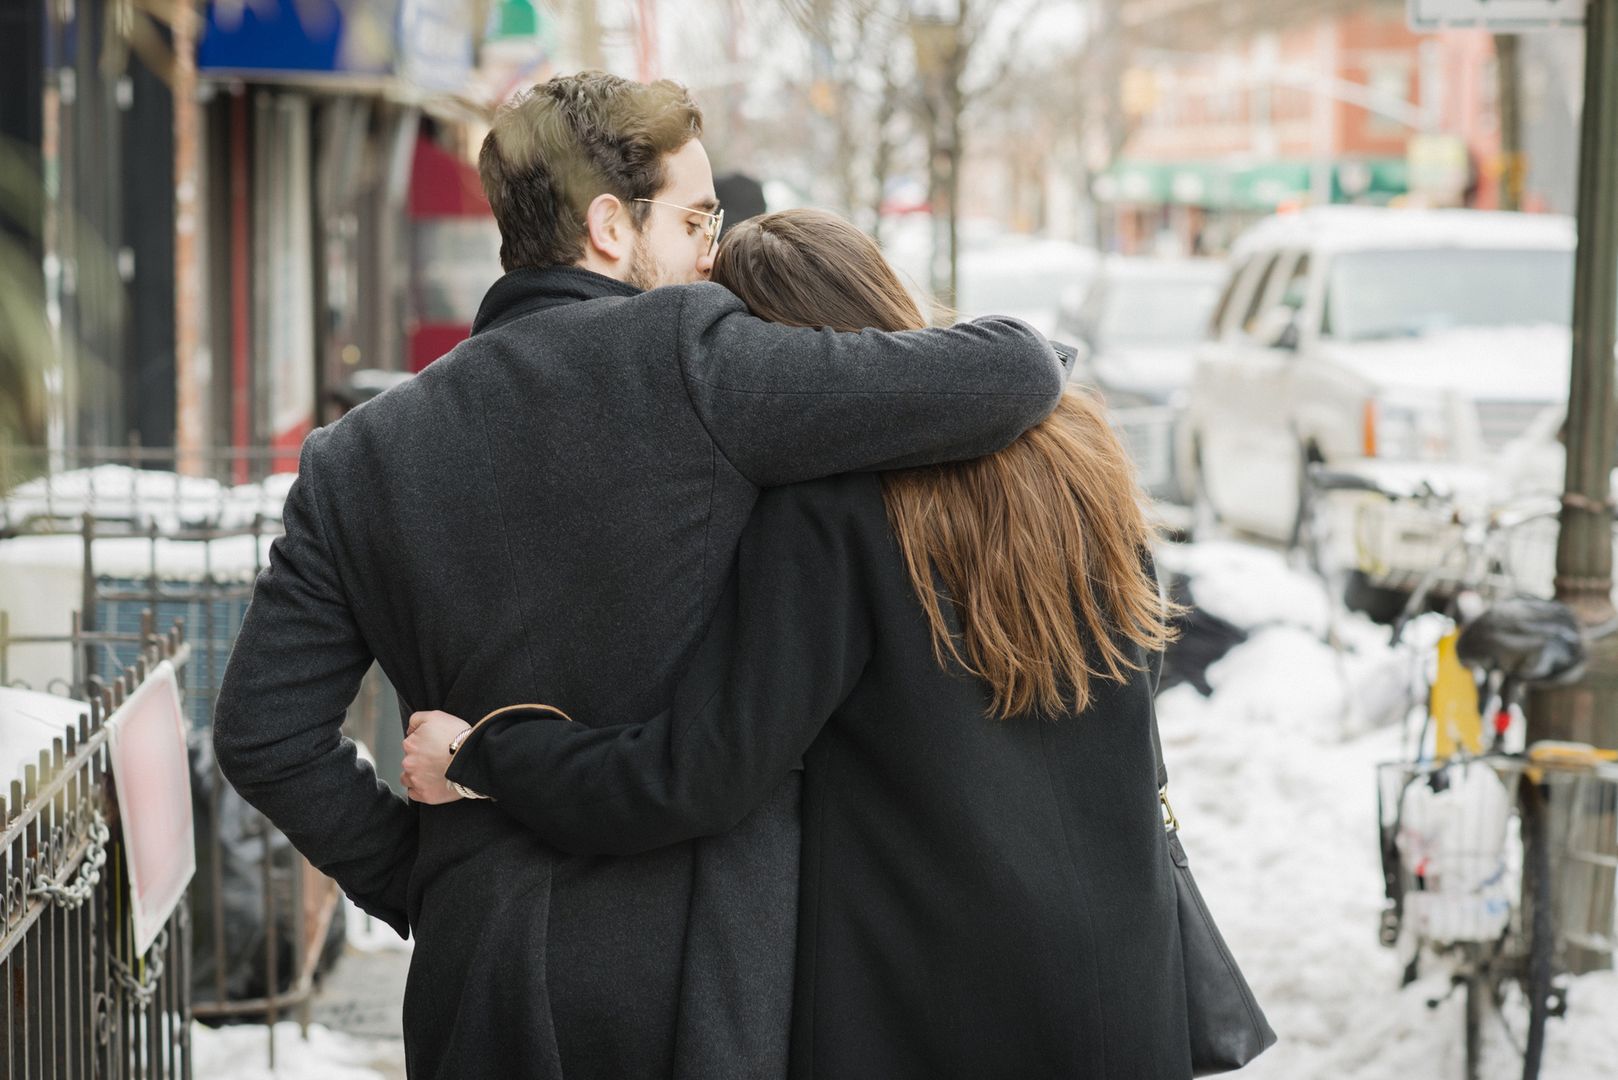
961	657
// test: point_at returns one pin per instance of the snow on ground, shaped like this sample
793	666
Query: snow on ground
242	1053
1273	781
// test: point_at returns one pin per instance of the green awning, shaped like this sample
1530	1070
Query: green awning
1220	186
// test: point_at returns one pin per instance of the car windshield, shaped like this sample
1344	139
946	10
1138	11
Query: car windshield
1016	281
1376	295
1026	292
1155	311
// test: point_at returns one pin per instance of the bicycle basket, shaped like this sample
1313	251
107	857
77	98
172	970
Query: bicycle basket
1402	542
1582	829
1397	542
1450	869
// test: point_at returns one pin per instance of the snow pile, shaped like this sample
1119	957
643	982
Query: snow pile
145	497
29	721
1273	781
242	1053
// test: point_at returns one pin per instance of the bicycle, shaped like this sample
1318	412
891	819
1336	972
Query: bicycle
1475	837
1503	885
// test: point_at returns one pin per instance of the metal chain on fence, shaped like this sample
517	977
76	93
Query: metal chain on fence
142	990
74	895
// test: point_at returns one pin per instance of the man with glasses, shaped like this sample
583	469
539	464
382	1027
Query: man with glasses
708	219
555	505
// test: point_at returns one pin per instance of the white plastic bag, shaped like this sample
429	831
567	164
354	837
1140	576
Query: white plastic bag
1452	845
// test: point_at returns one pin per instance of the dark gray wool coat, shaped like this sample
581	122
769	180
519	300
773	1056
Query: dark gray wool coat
553	509
981	899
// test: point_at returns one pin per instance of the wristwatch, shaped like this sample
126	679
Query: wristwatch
461	789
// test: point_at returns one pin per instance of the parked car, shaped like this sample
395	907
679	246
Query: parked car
1023	277
1141	321
1353	333
1138	322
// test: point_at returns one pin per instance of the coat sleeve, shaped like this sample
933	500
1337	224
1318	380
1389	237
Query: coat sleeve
296	667
786	646
786	404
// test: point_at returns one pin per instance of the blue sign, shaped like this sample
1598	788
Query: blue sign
426	42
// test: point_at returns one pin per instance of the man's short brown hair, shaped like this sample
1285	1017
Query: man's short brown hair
554	148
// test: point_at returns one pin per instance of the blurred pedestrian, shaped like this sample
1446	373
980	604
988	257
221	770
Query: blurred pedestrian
962	657
742	197
555	504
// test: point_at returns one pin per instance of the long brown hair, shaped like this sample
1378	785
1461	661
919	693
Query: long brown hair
1040	547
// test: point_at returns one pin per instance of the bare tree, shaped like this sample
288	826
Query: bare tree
859	84
895	80
971	62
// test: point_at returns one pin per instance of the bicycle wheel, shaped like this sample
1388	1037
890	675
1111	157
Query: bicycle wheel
1539	923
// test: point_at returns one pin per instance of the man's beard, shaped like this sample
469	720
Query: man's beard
645	272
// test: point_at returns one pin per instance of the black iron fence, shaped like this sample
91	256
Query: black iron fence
78	1002
154	547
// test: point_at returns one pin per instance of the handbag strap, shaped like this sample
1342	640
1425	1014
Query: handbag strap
1154	668
1154	676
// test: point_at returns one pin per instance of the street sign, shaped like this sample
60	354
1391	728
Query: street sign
1501	16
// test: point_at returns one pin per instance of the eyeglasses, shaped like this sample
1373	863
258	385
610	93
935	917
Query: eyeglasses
711	229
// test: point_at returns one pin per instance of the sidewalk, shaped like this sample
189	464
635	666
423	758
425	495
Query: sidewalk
354	1021
363	997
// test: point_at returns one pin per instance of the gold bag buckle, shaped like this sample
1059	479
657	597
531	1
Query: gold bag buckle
1170	822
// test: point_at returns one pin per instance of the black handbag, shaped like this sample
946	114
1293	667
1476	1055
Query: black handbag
1228	1029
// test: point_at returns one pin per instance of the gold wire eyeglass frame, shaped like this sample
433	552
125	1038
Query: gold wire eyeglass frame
711	230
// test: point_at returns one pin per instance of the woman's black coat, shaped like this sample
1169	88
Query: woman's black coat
979	898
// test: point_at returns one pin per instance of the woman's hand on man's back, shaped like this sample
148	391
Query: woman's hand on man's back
427	755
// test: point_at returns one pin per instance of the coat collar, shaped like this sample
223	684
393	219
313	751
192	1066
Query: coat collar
527	290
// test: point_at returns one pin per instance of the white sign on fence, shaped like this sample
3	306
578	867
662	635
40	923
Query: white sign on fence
1498	15
153	777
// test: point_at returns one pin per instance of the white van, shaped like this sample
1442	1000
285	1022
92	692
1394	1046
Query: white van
1353	333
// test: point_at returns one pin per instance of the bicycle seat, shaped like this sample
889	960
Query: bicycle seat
1526	639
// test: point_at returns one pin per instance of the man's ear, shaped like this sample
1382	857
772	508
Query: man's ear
611	232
